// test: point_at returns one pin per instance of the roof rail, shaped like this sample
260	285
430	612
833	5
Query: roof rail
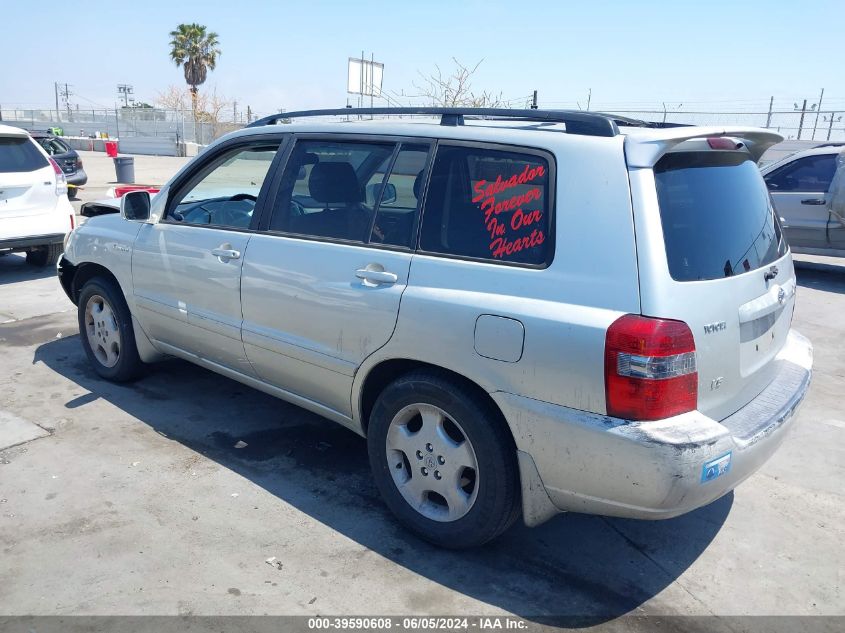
577	122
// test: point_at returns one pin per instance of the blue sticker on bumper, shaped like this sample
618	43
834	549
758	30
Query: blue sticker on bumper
716	468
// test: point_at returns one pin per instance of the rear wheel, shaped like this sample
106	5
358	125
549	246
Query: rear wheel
105	327
443	460
46	255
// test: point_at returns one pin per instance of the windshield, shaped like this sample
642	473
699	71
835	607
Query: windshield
717	215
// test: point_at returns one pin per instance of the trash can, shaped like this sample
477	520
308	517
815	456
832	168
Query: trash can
124	168
111	149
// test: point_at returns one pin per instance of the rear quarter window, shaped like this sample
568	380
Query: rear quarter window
488	204
716	214
19	154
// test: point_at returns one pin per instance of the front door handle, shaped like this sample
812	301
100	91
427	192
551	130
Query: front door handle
226	253
814	201
376	276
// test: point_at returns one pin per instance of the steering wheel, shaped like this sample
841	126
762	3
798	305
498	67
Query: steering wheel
243	196
296	209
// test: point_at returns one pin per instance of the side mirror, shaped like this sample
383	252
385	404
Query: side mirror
135	205
388	196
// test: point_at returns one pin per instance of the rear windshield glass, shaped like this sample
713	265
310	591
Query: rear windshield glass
716	213
19	154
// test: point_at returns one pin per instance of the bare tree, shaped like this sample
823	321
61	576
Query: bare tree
211	107
454	89
174	98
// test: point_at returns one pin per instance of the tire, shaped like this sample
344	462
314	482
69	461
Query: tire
427	426
105	327
43	256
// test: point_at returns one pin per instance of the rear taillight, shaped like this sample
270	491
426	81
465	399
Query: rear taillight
649	368
79	163
61	181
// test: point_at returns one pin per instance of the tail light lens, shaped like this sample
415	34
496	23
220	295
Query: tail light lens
649	368
61	181
79	163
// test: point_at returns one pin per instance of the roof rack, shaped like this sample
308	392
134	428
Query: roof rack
577	122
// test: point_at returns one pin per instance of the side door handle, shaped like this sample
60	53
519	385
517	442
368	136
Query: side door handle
376	277
226	253
814	201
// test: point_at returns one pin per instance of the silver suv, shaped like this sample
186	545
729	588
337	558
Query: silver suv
523	311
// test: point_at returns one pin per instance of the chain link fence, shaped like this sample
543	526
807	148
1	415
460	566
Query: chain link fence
818	126
175	125
181	127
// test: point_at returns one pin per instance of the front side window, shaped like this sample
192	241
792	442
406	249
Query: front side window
330	189
716	214
224	192
488	204
811	174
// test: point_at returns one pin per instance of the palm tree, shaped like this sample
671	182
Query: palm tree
196	50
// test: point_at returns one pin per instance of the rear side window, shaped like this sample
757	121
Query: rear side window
716	213
488	204
19	154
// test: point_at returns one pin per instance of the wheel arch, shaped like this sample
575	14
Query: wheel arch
386	371
84	272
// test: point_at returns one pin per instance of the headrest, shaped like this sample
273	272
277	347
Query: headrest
334	182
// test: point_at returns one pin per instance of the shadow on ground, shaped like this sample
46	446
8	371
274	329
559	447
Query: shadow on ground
827	277
14	269
583	569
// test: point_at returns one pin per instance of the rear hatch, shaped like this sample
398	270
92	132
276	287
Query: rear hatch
27	180
712	255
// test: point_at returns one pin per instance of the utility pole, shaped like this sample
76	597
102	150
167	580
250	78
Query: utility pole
534	105
124	90
248	115
831	119
589	97
801	121
234	111
817	114
56	90
67	100
769	118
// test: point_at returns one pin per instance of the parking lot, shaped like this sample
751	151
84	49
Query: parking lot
187	493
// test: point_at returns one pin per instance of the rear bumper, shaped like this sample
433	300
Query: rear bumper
650	470
24	243
77	179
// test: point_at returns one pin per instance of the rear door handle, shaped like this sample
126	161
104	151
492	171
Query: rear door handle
814	201
376	276
226	253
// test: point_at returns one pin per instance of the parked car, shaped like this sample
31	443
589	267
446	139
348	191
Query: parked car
542	313
35	214
66	157
800	185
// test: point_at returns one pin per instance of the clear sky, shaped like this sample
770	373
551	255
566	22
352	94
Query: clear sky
704	54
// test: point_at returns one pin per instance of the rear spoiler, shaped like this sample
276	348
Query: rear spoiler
644	149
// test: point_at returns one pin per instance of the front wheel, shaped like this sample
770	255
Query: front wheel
105	326
444	461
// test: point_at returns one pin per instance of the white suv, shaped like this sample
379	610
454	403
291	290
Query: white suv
526	311
35	213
